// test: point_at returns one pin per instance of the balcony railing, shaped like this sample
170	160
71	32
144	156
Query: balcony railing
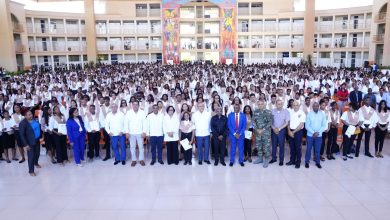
114	30
154	12
20	48
379	39
18	28
242	11
141	12
72	29
380	18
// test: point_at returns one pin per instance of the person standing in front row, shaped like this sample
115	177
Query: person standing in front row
219	129
30	133
201	119
171	125
316	124
76	134
187	132
155	133
93	128
262	122
135	132
280	120
237	125
295	131
115	128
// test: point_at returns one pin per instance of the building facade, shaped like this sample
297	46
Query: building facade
170	31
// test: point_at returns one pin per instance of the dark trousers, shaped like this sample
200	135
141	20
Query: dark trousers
296	147
278	140
324	137
172	152
367	135
347	142
332	141
156	144
379	139
107	143
60	146
33	156
219	148
93	144
187	153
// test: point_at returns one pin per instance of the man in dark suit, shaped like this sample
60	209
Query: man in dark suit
356	96
237	125
30	133
219	128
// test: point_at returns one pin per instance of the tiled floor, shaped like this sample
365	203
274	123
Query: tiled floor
356	189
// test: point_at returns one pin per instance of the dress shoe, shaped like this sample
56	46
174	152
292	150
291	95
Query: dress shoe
106	158
38	166
223	163
250	160
242	164
161	162
297	166
190	163
328	157
290	163
200	162
281	163
216	163
33	174
368	155
153	162
123	162
231	164
116	162
306	165
319	166
185	163
356	155
322	158
133	163
345	158
22	160
208	162
272	161
380	155
349	156
332	157
142	163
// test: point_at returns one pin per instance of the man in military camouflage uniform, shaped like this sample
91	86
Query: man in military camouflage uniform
262	121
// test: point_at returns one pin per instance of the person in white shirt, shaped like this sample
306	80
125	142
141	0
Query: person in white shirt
350	119
93	131
295	133
171	125
104	110
135	132
58	128
154	132
8	136
201	119
323	108
334	116
115	127
382	127
368	116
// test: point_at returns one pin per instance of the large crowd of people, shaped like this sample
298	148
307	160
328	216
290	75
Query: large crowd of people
213	111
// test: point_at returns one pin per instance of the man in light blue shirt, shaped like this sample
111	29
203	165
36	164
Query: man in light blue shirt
316	124
386	97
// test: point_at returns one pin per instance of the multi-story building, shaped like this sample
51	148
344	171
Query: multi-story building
237	31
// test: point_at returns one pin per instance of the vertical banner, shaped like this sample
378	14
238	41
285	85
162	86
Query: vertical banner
228	35
171	35
228	32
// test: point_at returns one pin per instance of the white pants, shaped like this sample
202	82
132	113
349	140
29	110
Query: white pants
134	140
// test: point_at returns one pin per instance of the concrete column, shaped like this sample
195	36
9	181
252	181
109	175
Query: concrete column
309	27
7	49
386	46
90	31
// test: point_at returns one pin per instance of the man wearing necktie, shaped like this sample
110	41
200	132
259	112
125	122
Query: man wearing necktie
237	125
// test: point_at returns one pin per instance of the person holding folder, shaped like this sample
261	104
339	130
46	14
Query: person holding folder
187	132
237	125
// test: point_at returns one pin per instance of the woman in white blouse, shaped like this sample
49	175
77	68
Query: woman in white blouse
381	128
58	127
187	132
171	126
334	116
349	118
